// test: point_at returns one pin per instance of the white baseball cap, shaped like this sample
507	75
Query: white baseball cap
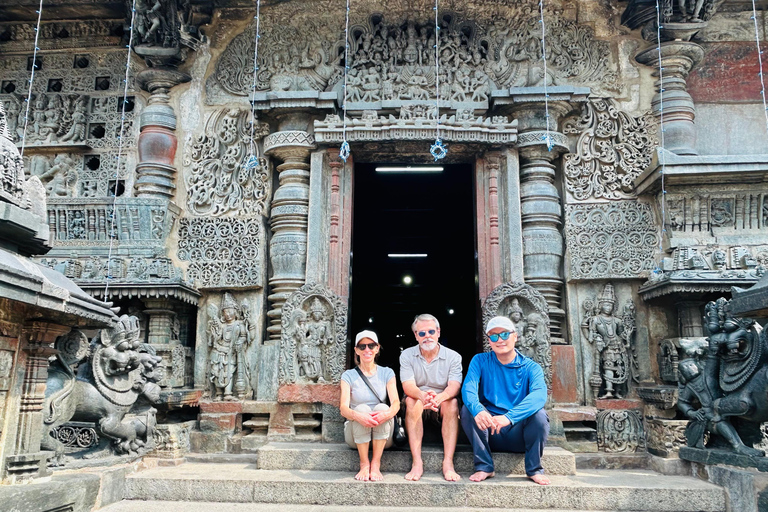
366	334
500	321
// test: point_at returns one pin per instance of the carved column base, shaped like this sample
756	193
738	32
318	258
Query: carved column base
28	466
155	180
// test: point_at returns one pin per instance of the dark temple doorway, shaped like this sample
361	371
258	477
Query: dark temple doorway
413	249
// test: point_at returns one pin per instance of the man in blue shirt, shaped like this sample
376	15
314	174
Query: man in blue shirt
504	395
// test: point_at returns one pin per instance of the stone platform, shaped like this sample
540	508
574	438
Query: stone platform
598	490
338	457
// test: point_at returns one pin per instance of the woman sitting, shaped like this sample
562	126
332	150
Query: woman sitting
370	420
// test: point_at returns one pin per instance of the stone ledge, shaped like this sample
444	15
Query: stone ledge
589	490
339	457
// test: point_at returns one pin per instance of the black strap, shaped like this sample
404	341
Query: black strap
368	383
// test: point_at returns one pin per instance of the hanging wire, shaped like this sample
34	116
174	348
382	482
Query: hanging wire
760	63
344	150
548	136
253	159
31	78
662	169
438	149
119	150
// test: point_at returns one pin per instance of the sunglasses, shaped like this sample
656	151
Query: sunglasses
421	334
503	335
363	346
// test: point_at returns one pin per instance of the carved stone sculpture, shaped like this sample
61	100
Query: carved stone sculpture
11	164
724	394
313	343
533	339
614	344
619	431
113	374
229	333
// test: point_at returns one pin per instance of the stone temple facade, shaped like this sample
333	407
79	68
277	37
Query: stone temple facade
195	183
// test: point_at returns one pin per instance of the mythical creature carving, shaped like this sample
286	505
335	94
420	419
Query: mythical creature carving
230	333
391	57
612	149
514	300
313	338
112	375
223	252
610	240
724	393
613	338
619	431
224	170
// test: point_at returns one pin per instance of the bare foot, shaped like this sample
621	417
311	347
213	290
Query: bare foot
450	474
376	476
479	476
416	471
364	474
540	479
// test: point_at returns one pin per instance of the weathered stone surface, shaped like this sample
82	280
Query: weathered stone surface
564	385
711	457
78	491
626	403
338	457
325	393
595	489
728	72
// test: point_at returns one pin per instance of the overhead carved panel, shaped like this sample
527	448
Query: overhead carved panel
391	56
224	171
610	240
613	148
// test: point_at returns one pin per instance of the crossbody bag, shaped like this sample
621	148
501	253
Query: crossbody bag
399	436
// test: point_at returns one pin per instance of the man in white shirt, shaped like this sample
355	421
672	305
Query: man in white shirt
431	377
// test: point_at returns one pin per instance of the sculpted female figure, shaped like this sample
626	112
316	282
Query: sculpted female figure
364	390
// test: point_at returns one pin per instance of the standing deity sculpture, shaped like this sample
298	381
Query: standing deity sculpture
613	340
229	335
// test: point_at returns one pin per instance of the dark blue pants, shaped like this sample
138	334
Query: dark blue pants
528	436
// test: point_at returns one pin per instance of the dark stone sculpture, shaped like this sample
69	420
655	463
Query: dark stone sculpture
113	373
725	393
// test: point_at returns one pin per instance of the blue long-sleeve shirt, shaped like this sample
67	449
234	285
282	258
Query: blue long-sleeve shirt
516	390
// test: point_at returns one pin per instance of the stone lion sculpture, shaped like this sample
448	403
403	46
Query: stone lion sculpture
112	374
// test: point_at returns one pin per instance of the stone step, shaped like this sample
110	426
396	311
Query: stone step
187	506
587	490
339	457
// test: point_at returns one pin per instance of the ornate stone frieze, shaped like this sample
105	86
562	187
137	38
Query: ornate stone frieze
230	333
391	56
223	252
665	437
663	397
92	222
313	343
620	431
120	269
61	34
613	148
610	241
716	212
219	173
711	268
528	309
611	334
75	101
81	175
172	439
418	122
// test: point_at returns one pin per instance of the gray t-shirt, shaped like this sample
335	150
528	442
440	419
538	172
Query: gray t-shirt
433	376
360	394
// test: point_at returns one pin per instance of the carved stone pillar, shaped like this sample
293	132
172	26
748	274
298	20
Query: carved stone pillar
156	174
541	211
290	209
28	461
677	60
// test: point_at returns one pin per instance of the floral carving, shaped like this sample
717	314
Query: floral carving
612	149
222	175
614	240
223	253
